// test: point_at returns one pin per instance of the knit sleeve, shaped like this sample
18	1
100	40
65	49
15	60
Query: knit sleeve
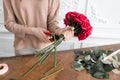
10	21
53	10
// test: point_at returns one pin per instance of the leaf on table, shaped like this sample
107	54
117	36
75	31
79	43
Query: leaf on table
77	66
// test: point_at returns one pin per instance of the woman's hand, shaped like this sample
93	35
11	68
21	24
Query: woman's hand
39	33
68	32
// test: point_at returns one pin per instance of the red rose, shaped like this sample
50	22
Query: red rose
85	25
68	16
85	34
66	22
82	18
73	14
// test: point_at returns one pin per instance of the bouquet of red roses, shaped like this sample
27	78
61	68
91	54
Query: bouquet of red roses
81	24
82	29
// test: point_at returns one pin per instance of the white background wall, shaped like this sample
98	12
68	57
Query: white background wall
104	16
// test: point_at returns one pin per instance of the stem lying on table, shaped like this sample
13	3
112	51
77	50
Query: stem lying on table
53	67
31	69
52	74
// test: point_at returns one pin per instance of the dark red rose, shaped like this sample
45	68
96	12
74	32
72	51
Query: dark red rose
78	20
85	34
85	25
68	16
72	15
82	17
66	22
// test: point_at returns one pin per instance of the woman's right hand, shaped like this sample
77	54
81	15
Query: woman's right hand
40	34
68	32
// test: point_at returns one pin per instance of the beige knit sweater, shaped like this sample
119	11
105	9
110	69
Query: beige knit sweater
21	14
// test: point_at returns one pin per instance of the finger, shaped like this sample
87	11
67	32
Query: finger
66	35
69	28
69	34
59	31
44	30
72	28
72	33
44	38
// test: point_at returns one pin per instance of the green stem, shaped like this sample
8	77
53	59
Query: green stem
53	67
59	41
38	53
31	69
45	57
46	54
41	58
43	50
49	47
52	74
55	54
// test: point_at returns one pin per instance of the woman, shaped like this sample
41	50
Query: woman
29	20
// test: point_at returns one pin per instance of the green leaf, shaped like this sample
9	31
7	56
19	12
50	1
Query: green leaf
78	52
93	60
107	67
99	75
78	58
88	57
77	66
96	68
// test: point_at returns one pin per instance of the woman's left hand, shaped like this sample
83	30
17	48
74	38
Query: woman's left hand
68	32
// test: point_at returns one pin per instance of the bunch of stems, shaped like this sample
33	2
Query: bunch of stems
48	50
44	54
